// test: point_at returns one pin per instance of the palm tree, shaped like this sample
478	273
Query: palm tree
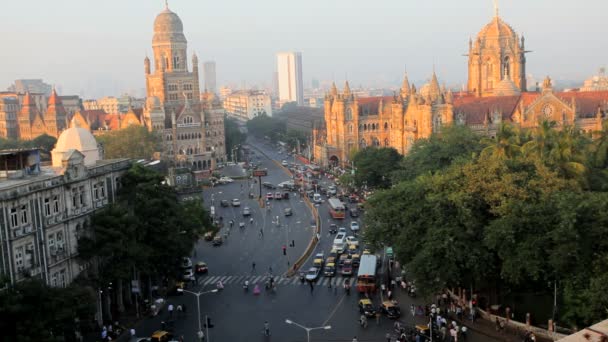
567	153
542	138
600	147
506	144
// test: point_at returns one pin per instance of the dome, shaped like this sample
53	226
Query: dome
497	29
506	87
76	138
168	27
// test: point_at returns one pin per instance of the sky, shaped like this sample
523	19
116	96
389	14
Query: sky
95	48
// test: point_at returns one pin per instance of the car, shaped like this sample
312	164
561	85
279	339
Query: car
286	195
352	241
246	211
217	241
225	180
224	203
342	259
340	238
330	269
320	255
285	163
268	185
230	164
353	199
236	202
209	236
269	196
333	228
316	197
353	212
352	250
161	336
287	211
278	196
356	260
201	268
347	268
332	190
312	274
354	226
186	262
318	263
366	307
342	230
390	309
287	185
187	274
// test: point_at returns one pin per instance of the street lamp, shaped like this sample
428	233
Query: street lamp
308	330
198	305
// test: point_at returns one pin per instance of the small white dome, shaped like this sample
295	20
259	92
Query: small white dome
76	138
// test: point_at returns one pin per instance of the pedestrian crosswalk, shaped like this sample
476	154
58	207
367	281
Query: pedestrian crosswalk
260	279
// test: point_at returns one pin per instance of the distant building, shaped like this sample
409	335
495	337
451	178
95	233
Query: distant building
315	102
114	105
302	119
209	76
225	91
289	68
36	86
45	210
246	105
598	82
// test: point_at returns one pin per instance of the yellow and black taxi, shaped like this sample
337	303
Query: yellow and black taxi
330	269
366	308
390	309
161	336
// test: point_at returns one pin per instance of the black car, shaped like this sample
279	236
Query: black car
268	185
333	229
224	203
354	212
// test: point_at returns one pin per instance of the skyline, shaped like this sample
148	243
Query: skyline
84	55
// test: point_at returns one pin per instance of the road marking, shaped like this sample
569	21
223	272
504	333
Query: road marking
209	280
333	312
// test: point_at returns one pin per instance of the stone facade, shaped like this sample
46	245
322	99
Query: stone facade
497	93
191	125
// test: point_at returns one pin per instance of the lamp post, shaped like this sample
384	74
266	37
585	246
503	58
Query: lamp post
308	330
198	306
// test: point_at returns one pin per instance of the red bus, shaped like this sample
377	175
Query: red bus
336	208
366	278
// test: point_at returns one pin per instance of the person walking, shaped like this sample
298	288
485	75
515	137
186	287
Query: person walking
170	308
378	318
388	337
261	232
253	266
266	328
179	310
251	220
355	339
293	243
312	287
284	248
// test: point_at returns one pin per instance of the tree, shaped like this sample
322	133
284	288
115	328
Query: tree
265	126
234	136
439	151
32	311
134	142
373	166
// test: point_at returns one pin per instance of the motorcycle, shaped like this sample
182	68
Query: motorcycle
246	285
220	286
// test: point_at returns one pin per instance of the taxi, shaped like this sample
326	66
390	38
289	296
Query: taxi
161	336
343	257
356	260
318	263
366	308
330	269
390	309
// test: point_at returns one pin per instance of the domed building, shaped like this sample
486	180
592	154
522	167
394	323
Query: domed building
497	54
192	127
78	139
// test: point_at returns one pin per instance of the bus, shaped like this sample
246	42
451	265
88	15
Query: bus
336	208
366	278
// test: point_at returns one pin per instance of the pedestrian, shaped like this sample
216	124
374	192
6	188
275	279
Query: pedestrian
293	243
184	308
132	332
284	250
170	308
497	323
388	337
413	310
251	220
312	287
266	328
390	294
181	338
261	232
253	266
355	339
378	318
179	310
270	270
463	331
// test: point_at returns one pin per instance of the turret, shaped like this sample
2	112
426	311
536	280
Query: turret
147	65
347	92
405	87
194	63
334	89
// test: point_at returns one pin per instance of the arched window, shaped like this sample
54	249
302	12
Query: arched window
365	127
188	120
375	142
386	142
175	62
349	114
350	128
362	143
507	68
386	126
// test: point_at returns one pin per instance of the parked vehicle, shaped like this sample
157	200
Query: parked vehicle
224	203
236	202
288	211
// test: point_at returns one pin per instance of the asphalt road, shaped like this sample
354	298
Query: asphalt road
238	315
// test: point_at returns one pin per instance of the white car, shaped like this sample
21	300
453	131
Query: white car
354	226
188	275
284	163
342	230
352	241
225	180
236	202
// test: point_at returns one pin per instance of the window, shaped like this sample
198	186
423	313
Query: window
24	218
55	204
102	188
19	258
54	279
75	198
188	120
96	191
175	62
82	198
47	206
350	128
349	114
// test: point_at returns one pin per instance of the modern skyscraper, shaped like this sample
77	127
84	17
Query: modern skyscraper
209	74
289	67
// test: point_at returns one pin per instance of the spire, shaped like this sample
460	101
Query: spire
496	8
347	89
405	87
434	90
166	4
334	89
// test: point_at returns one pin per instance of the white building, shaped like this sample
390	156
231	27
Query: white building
44	210
246	105
289	68
209	75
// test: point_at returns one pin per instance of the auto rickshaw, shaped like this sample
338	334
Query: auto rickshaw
201	267
217	241
209	236
390	309
366	308
161	336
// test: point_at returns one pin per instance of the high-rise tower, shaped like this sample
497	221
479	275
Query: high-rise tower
291	86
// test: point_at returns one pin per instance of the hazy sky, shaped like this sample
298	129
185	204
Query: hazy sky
96	48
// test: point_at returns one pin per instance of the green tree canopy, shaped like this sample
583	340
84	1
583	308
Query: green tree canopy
374	166
266	126
233	134
134	142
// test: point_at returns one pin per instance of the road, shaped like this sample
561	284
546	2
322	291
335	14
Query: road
238	315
